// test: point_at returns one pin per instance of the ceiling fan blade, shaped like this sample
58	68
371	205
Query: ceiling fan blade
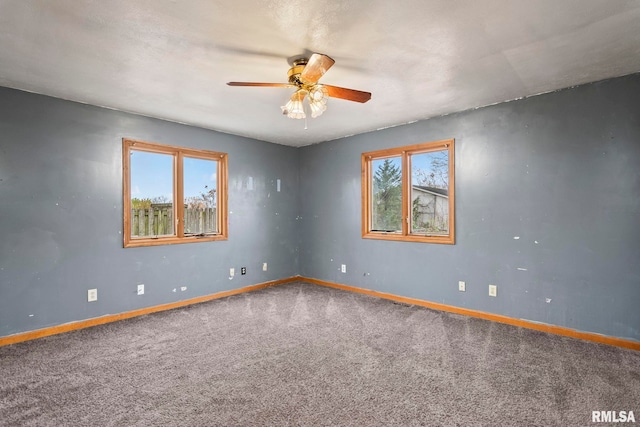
316	67
260	84
348	94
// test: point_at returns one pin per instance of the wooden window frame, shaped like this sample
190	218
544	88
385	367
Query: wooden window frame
178	154
405	153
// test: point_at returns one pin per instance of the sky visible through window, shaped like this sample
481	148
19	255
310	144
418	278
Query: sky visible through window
152	176
200	176
422	166
430	169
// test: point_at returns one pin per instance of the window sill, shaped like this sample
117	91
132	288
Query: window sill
444	240
139	242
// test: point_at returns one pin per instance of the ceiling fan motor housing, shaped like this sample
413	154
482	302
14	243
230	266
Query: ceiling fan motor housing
296	70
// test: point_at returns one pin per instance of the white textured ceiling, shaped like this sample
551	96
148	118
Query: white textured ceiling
420	58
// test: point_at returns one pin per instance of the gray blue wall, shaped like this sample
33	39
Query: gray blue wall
61	215
547	193
547	209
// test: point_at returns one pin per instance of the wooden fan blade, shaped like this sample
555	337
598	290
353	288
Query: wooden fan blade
316	67
260	84
348	94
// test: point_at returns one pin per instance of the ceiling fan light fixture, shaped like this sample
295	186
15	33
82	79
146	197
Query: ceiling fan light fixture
318	93
317	100
317	107
294	108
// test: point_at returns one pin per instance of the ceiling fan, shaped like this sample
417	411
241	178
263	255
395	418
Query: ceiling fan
304	76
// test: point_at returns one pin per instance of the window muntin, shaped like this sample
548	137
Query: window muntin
422	209
173	194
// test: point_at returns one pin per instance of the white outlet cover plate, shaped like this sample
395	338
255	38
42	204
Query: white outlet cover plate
462	286
140	289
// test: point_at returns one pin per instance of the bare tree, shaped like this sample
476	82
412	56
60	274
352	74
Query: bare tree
206	199
438	175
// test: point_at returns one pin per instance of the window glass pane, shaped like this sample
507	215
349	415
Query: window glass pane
430	193
151	194
200	196
386	195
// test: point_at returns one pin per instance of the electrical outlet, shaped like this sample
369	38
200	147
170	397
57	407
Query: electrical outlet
183	288
462	286
493	291
232	272
343	268
264	266
140	289
92	295
243	270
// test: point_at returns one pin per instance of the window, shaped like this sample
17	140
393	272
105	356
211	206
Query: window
408	193
173	194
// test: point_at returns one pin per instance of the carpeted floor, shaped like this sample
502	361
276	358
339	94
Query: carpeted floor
301	354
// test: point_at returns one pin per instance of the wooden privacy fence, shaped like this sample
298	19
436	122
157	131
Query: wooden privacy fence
158	220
